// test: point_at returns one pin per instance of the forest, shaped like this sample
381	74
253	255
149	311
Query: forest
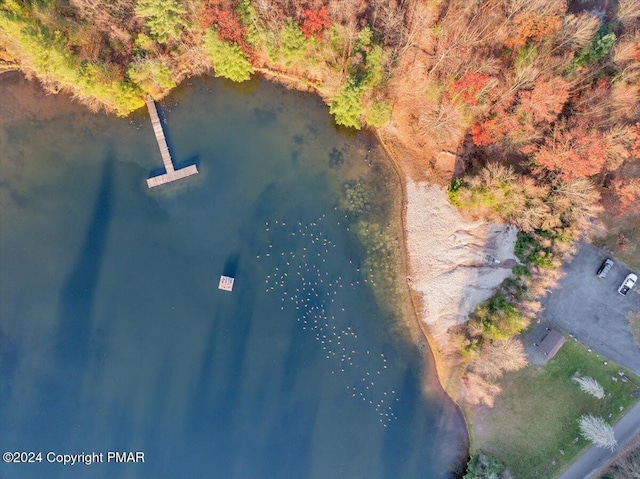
549	88
535	102
545	86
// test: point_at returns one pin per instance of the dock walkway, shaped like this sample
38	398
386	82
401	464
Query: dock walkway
171	173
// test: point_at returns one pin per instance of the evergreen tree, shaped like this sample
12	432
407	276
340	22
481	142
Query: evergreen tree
228	59
163	18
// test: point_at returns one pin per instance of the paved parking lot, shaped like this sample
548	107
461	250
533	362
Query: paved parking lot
592	310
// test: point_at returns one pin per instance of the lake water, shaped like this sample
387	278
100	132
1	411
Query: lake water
115	337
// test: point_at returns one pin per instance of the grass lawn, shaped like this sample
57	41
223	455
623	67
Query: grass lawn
536	416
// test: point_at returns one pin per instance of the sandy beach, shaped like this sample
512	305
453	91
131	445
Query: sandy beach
454	264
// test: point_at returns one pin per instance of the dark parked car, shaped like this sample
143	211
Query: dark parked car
627	284
604	268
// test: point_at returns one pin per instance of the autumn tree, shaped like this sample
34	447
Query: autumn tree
572	152
227	25
315	21
469	87
545	101
527	118
534	26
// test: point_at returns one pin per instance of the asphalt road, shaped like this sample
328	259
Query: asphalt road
592	310
594	458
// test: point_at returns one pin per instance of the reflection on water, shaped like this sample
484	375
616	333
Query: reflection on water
114	336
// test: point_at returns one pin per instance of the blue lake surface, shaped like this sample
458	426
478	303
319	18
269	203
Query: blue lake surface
115	337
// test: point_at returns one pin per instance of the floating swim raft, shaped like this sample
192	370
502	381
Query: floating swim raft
226	283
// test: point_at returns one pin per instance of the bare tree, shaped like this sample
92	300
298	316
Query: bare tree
628	466
540	7
577	31
116	18
625	57
445	123
500	357
620	140
467	32
478	390
590	386
628	12
576	201
596	430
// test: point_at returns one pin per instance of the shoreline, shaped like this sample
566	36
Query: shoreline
441	368
440	365
438	361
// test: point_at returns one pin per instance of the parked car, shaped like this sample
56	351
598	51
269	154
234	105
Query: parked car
604	268
627	284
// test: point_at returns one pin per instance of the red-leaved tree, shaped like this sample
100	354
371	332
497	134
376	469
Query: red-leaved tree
315	21
227	24
468	87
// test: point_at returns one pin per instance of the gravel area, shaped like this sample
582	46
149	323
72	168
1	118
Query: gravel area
592	310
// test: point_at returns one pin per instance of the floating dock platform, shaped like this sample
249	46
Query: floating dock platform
171	173
226	283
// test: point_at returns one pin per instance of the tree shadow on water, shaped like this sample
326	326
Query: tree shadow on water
78	293
400	434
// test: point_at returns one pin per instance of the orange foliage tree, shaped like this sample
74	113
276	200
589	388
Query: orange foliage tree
532	111
546	100
572	153
534	26
490	131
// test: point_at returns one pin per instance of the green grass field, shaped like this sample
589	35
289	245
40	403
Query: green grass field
536	417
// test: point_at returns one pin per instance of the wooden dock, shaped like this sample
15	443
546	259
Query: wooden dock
171	173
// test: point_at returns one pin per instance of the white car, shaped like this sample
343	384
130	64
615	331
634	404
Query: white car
627	284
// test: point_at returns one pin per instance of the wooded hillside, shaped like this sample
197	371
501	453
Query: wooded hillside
548	87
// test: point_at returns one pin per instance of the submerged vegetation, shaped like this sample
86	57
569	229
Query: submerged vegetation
379	232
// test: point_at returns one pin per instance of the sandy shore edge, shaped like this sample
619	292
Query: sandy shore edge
452	266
